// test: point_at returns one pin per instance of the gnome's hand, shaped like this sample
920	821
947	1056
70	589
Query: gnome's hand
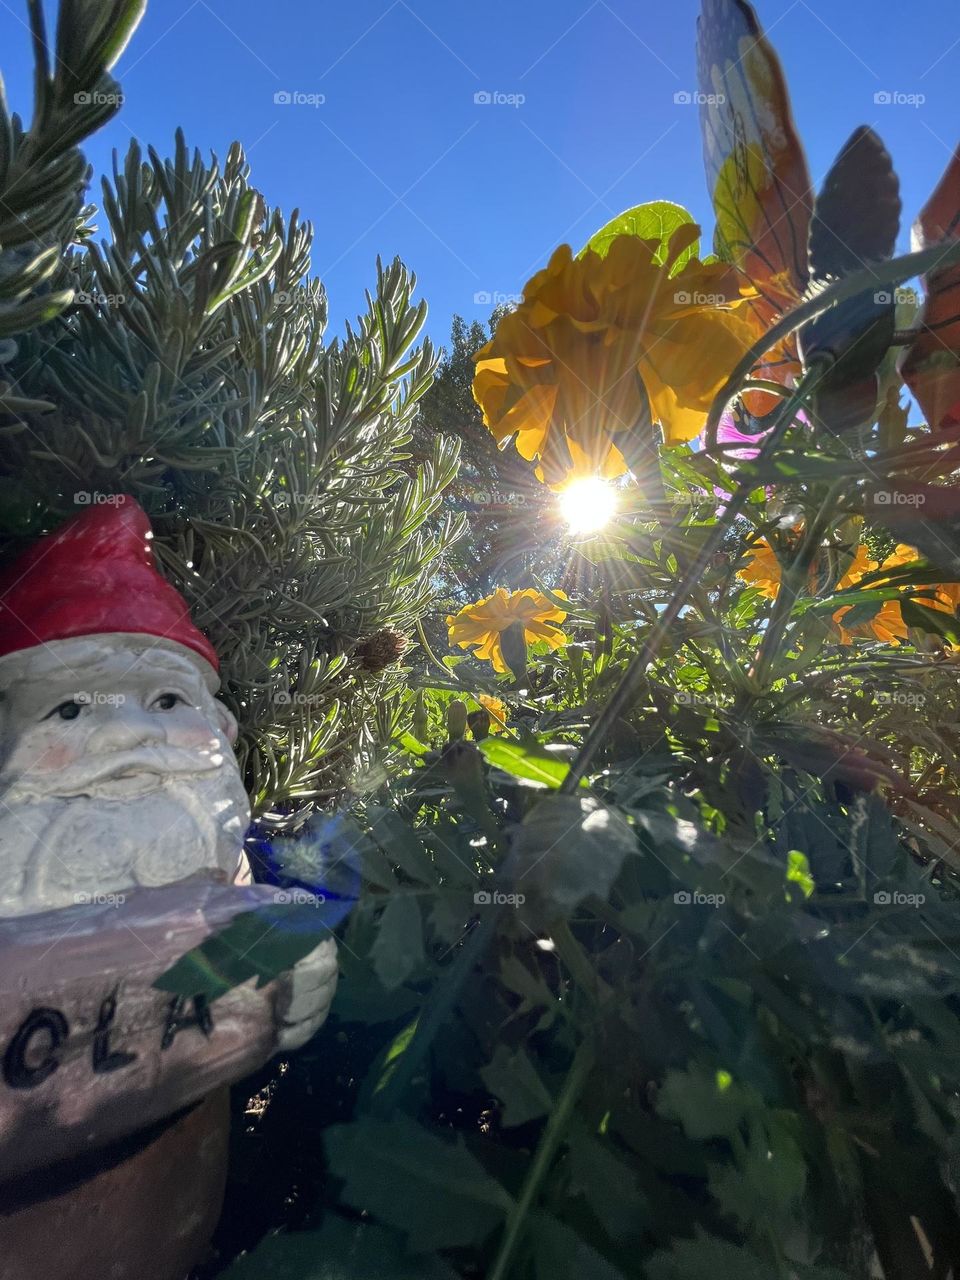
310	987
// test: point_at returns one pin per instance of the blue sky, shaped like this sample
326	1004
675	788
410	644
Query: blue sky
400	158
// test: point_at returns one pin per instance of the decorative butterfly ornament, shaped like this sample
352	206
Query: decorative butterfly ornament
791	245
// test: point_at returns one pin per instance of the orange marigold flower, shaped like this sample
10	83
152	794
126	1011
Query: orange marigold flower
946	595
887	624
858	568
763	570
570	372
497	710
483	623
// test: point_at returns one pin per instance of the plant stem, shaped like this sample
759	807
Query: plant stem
543	1158
635	673
445	996
794	580
449	672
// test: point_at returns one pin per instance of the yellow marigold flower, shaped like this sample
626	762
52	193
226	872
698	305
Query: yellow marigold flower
859	567
903	553
887	623
482	624
947	594
947	597
763	570
570	371
496	708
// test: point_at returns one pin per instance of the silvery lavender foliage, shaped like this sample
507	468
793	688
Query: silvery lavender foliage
177	352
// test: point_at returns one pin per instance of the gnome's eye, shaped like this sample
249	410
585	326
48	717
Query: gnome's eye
165	702
66	710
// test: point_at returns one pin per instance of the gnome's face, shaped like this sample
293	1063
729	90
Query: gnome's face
116	771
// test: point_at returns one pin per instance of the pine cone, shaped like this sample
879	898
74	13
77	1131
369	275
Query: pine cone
379	650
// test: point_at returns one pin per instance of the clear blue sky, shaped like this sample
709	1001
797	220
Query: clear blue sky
400	159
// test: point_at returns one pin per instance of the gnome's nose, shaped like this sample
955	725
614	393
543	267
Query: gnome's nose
127	726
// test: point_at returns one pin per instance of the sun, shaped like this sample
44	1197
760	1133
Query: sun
588	505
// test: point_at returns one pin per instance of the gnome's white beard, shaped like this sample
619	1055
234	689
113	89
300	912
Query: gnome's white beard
66	849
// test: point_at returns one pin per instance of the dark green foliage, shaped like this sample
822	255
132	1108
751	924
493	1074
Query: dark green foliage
763	1054
504	505
184	362
699	1021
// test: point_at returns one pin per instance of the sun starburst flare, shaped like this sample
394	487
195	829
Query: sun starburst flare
588	505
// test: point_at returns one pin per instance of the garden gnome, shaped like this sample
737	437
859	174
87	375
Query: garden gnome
122	819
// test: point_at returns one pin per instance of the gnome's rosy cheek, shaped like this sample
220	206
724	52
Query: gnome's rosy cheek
228	723
189	729
57	756
43	753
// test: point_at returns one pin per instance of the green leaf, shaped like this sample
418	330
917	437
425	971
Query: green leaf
708	1104
398	949
572	847
259	944
767	1181
401	844
933	621
432	1190
125	20
609	1186
532	764
395	1050
560	1254
340	1250
513	1079
798	872
708	1258
655	220
19	317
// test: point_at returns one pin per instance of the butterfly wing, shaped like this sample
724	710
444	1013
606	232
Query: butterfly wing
931	368
755	167
856	219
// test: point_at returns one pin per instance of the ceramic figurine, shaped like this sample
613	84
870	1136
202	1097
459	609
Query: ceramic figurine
122	819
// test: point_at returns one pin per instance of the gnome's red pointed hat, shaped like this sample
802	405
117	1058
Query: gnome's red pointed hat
95	575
